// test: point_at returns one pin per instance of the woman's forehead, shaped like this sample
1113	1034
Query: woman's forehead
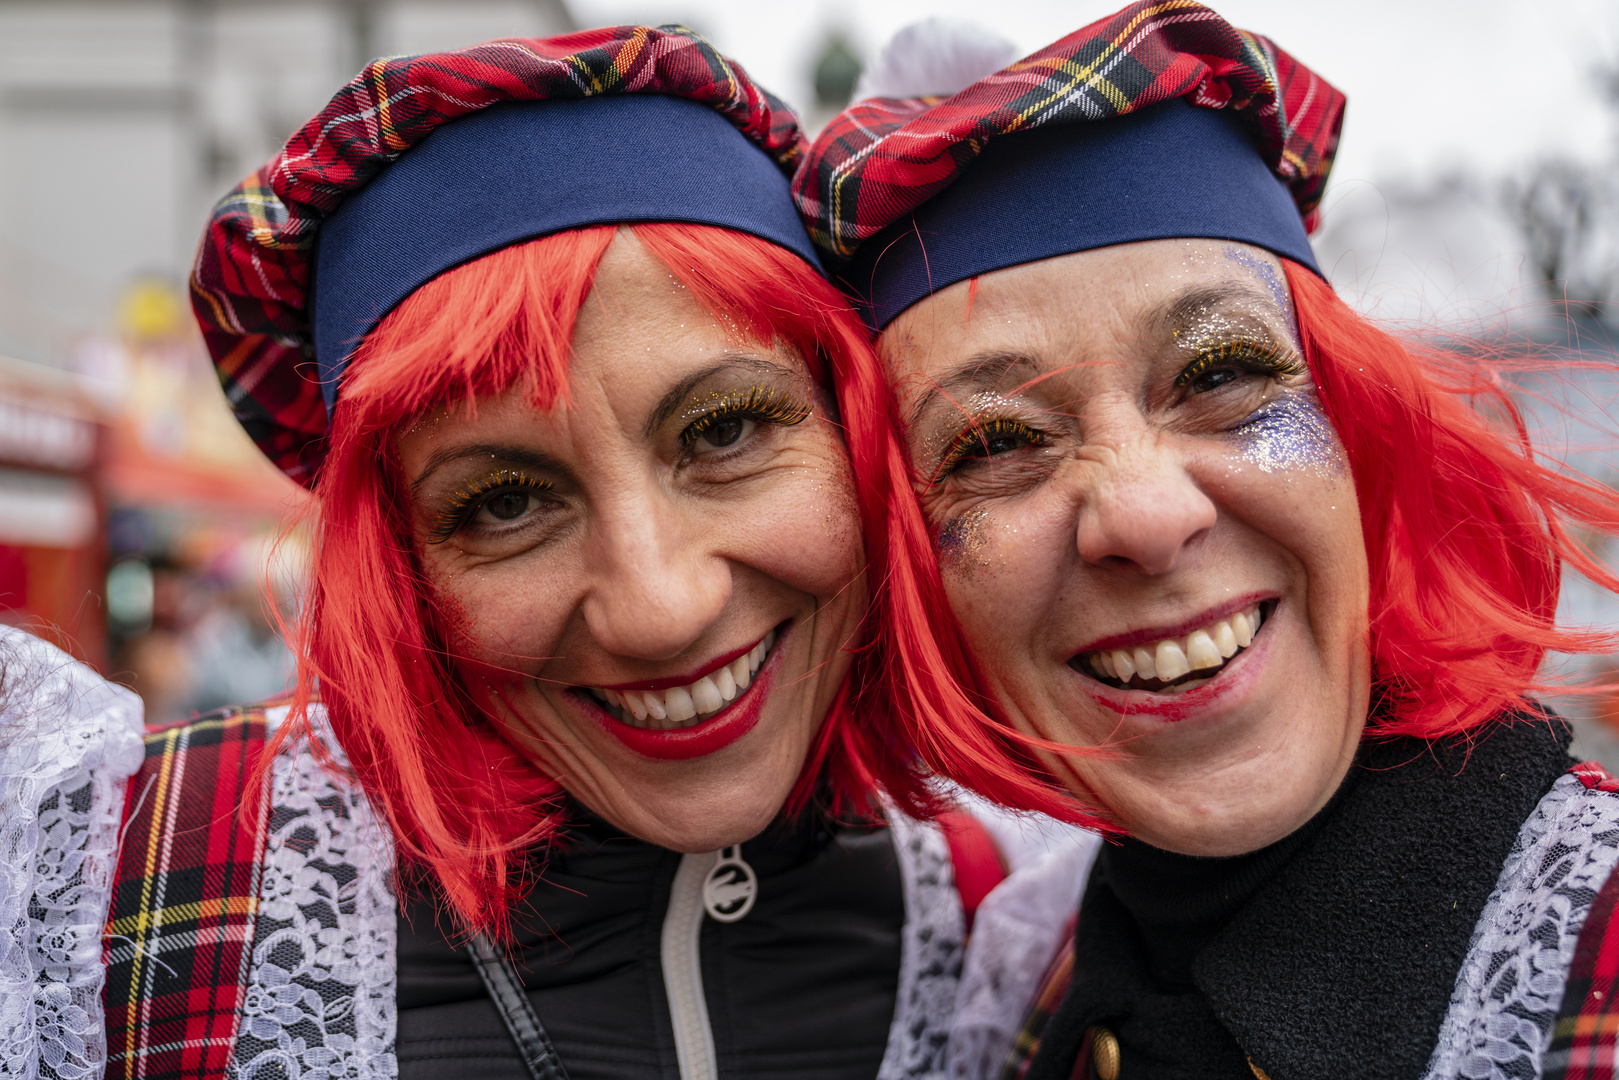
1153	290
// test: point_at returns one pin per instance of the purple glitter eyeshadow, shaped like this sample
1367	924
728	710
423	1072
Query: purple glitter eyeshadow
1289	433
961	539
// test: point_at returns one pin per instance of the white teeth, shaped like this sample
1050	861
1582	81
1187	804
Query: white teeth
706	696
1202	652
1225	639
1170	659
1242	629
676	707
679	704
726	682
1174	658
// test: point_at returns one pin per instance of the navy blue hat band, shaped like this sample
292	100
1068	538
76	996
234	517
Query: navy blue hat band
1169	171
519	171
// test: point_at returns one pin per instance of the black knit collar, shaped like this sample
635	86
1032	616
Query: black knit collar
1343	964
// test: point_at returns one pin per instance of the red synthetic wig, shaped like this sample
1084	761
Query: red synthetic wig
460	800
1466	534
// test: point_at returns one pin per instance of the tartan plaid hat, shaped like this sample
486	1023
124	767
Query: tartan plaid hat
1211	132
381	192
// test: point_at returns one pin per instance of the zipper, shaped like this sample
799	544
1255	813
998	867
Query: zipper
720	885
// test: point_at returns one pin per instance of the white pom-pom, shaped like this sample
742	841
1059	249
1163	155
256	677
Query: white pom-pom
935	57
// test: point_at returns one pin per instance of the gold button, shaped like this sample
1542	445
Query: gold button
1105	1053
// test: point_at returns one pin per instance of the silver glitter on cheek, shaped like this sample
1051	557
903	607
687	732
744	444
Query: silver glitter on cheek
1289	433
961	540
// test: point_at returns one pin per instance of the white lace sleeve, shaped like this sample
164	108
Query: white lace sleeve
1017	931
1510	986
321	990
68	742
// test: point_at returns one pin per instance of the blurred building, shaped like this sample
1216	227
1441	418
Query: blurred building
122	121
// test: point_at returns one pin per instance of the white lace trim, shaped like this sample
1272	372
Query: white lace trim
69	740
320	1001
1016	933
1510	986
930	954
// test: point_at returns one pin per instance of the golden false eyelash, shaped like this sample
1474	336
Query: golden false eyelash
1255	353
980	435
464	499
762	403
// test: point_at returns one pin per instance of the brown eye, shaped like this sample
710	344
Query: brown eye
1212	380
726	431
507	505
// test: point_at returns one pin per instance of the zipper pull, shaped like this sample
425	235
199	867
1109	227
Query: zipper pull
731	886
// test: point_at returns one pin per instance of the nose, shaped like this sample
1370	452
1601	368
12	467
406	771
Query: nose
655	587
1143	509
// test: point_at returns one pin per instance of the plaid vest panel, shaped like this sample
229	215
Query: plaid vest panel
180	929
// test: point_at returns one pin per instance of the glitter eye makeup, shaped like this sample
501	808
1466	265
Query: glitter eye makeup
961	540
466	501
987	439
1245	353
722	424
1289	432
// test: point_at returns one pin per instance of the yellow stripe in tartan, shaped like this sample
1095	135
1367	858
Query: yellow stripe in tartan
390	138
1087	73
1600	1024
225	906
141	923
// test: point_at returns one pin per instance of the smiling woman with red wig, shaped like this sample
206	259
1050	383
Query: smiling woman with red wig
1266	588
584	774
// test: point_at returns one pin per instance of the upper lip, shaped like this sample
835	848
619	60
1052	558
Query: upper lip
687	679
1178	629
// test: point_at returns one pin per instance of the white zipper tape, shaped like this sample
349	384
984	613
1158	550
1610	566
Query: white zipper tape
683	968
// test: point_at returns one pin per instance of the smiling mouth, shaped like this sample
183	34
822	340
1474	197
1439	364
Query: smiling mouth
1176	664
686	706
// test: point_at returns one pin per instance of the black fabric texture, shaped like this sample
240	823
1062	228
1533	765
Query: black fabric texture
1341	964
803	987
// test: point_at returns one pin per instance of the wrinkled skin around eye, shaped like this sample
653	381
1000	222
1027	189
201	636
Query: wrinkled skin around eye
1146	511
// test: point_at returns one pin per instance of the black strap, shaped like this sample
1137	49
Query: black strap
500	979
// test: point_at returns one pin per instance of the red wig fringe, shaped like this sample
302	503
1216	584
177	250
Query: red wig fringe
1466	534
461	802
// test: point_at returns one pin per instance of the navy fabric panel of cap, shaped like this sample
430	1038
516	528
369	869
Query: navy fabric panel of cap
1161	121
522	170
1171	170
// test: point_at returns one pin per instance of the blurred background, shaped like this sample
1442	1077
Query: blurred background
1475	202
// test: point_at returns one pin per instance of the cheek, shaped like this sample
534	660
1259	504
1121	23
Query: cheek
1003	566
803	527
509	614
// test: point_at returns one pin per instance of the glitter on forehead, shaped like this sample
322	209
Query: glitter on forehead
1290	433
1268	273
961	540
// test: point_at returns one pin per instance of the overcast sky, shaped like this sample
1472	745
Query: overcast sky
1433	85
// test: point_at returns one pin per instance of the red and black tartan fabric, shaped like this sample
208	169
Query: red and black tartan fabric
180	928
249	284
1585	1036
882	158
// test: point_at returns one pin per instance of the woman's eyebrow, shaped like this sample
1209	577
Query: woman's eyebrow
671	402
981	371
1184	308
495	452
